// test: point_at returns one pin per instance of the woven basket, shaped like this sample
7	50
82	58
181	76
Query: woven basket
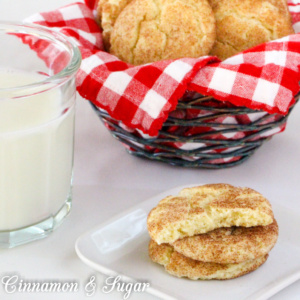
202	132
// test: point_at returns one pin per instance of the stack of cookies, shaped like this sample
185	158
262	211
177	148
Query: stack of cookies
214	231
144	31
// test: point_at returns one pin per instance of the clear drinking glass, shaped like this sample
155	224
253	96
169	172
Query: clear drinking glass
37	101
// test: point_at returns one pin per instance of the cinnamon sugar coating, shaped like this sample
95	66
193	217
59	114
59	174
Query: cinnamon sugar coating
178	265
229	245
242	24
202	209
152	30
108	12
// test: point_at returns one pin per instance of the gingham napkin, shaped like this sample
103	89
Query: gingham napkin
265	77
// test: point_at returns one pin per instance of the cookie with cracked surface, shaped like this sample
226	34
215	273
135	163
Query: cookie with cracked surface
242	24
204	208
178	265
152	30
229	245
108	12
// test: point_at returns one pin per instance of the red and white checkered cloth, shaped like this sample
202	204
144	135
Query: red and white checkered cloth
265	77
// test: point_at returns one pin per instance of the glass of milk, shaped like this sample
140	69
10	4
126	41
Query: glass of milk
37	99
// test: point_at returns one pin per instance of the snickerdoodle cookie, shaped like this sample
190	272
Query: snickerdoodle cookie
229	245
204	208
242	24
108	12
151	30
178	265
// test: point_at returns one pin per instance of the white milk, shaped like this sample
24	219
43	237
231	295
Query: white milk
36	154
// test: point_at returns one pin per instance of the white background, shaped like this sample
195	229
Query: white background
108	180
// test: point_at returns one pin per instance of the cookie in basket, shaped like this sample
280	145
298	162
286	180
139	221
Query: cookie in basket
242	24
108	12
204	208
229	245
148	31
178	265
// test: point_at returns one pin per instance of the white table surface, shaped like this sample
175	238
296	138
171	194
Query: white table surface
108	180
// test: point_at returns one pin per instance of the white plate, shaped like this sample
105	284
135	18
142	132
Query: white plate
120	247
